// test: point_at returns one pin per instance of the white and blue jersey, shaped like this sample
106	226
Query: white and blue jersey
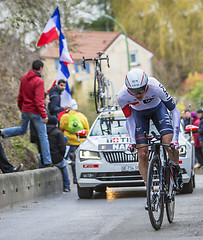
154	106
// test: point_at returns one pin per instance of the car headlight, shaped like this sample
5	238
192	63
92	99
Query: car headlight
182	151
86	154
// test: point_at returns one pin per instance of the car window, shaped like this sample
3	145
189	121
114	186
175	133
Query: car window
113	125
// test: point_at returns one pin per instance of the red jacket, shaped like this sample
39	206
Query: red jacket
196	135
31	94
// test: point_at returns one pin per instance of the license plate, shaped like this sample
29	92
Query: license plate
129	168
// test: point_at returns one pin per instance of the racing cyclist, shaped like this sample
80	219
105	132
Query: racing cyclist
142	99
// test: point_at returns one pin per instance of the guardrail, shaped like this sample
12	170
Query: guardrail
20	187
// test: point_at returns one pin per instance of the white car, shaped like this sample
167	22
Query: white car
102	160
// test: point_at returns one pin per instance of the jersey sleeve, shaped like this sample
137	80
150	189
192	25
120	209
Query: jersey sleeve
164	96
171	106
130	121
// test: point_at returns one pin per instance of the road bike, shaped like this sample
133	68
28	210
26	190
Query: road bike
161	187
101	83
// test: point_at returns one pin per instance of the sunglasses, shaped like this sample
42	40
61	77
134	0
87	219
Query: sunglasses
137	90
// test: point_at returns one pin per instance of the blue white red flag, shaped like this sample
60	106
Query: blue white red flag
64	53
50	33
63	72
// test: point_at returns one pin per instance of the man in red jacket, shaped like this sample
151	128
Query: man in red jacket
31	104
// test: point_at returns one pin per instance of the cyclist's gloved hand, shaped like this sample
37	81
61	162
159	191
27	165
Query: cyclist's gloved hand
174	145
131	147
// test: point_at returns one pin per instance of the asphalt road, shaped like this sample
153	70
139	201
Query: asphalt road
117	215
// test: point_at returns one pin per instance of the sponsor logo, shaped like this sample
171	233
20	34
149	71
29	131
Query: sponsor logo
160	122
164	90
138	129
146	101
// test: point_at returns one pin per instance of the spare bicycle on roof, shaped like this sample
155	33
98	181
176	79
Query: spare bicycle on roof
103	88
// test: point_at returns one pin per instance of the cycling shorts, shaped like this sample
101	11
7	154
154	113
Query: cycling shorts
160	117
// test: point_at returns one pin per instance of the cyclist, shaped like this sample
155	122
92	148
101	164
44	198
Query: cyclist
142	99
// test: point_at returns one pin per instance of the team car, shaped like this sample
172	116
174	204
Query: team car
102	160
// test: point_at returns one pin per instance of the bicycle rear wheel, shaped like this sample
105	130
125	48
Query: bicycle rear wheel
155	198
170	195
99	93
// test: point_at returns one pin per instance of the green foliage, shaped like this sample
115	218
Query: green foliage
196	91
172	29
19	144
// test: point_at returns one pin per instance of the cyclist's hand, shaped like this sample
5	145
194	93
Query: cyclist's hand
174	145
131	147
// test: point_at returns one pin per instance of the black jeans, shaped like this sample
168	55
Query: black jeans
5	166
71	154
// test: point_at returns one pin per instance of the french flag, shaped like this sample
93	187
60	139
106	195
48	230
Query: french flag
50	33
64	53
63	72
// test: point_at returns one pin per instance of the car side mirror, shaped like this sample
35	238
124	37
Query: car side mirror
191	128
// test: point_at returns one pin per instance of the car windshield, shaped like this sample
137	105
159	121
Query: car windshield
113	125
109	125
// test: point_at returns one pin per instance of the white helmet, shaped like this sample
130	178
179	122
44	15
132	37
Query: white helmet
136	81
74	105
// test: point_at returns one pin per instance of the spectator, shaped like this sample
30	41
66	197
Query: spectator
187	119
198	150
55	98
57	145
70	123
5	165
31	104
33	132
200	132
58	149
182	117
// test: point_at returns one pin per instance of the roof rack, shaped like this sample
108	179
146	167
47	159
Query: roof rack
110	108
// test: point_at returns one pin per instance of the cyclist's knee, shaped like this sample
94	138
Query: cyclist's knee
143	154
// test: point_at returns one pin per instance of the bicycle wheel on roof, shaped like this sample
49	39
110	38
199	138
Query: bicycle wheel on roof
99	93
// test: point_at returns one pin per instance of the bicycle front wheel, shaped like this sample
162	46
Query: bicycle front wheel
155	199
99	93
170	195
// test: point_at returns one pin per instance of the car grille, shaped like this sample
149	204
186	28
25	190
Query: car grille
120	157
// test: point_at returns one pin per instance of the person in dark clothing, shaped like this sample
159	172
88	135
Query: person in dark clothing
187	119
57	144
55	98
200	131
58	148
198	148
5	165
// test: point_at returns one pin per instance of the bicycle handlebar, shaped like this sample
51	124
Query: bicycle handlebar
94	59
157	138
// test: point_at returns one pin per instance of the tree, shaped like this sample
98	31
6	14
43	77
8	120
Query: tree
173	29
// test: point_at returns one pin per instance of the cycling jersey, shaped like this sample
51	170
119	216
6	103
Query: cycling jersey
156	100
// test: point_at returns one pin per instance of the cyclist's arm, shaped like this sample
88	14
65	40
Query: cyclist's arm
176	123
130	121
171	106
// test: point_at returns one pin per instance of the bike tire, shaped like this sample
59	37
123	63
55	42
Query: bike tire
155	199
170	195
99	100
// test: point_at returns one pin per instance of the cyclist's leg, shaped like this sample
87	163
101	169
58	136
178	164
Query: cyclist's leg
142	125
163	123
143	158
173	155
